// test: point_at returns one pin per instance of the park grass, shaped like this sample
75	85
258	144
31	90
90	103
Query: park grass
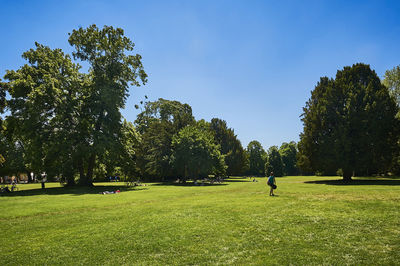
312	220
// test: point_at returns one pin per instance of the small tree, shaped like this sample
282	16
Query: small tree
392	81
195	154
274	162
257	156
288	152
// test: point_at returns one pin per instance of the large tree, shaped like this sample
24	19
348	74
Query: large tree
349	124
157	124
231	147
41	108
66	119
112	70
257	156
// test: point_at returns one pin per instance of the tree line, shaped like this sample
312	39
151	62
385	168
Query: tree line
57	119
67	123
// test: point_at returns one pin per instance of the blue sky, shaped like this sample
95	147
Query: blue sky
251	63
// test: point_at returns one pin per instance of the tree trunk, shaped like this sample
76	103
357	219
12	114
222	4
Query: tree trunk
89	174
82	177
81	170
347	174
86	180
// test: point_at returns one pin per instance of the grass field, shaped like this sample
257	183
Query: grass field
312	220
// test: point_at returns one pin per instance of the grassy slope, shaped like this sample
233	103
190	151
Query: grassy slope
234	223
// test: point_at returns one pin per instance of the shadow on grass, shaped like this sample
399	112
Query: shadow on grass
238	179
70	190
188	184
358	182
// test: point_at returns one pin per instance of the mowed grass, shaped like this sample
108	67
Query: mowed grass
312	220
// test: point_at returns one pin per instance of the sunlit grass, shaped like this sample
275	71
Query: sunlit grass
232	223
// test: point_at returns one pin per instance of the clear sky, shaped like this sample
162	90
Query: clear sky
251	63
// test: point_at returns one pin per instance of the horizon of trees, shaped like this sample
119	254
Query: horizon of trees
60	121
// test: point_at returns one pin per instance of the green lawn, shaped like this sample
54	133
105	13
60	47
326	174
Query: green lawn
312	220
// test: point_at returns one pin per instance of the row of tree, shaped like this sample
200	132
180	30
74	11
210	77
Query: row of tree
282	161
67	123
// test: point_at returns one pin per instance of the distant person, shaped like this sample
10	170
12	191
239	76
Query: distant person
272	183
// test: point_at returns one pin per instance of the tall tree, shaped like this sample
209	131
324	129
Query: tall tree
288	153
231	147
65	119
157	124
257	156
112	70
42	106
349	123
274	162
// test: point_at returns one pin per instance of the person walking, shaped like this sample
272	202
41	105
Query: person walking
272	183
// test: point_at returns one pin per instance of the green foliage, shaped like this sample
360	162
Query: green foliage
195	154
112	71
12	160
131	142
66	120
3	101
274	162
157	124
392	81
173	113
288	153
231	147
349	123
257	158
42	105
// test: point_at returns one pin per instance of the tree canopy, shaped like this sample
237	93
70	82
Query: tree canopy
288	153
158	123
349	124
195	153
257	156
231	147
64	118
392	81
274	162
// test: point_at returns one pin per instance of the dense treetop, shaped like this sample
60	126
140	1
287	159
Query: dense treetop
349	124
